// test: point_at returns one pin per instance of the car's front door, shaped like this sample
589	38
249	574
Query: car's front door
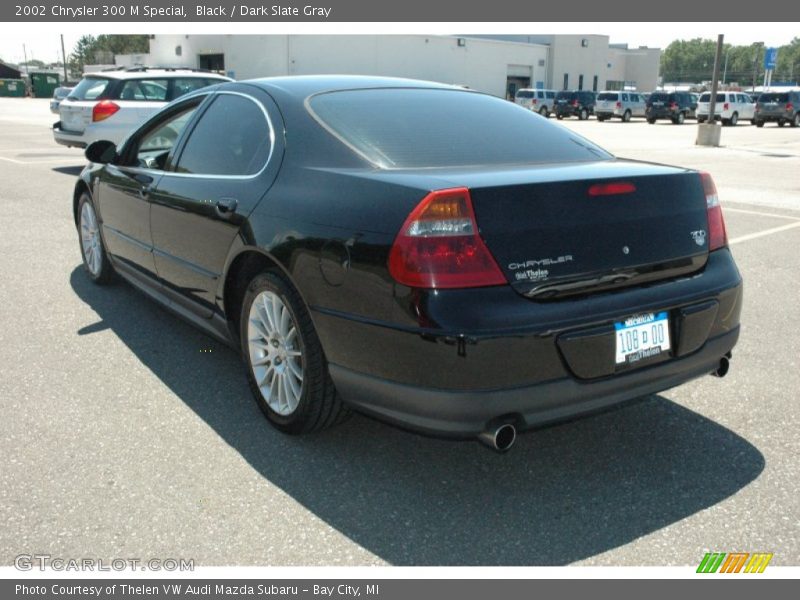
224	167
125	187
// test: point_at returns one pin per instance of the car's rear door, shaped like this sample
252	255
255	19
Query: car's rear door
224	167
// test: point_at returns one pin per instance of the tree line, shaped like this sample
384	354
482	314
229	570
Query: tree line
692	61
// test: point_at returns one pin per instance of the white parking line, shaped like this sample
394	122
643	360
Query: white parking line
759	213
38	162
758	234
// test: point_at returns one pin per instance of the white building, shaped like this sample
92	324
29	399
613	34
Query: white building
493	64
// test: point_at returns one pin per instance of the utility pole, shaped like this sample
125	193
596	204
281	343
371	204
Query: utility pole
64	59
755	63
27	73
708	134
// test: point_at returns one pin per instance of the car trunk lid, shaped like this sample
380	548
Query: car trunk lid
592	229
75	115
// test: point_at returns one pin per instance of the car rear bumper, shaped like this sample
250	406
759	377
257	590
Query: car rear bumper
71	139
496	355
465	414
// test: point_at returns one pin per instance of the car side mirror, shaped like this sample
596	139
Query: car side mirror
101	151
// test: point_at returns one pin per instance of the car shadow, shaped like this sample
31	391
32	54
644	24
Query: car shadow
71	171
563	494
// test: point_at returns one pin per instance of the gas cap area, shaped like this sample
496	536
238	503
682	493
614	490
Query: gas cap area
334	262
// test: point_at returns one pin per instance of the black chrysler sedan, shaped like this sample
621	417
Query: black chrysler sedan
436	257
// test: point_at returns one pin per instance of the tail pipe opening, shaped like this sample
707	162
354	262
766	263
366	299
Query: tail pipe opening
723	367
499	437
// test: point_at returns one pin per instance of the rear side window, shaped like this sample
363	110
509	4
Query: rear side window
416	128
550	95
145	90
91	88
232	137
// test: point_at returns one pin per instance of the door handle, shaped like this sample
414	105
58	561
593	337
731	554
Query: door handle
145	181
225	207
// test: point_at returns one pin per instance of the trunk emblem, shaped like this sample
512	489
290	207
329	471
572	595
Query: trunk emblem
698	236
626	250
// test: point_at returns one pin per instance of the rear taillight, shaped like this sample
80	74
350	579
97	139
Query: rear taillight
725	106
673	106
717	237
574	103
439	246
611	189
619	104
535	101
104	109
789	106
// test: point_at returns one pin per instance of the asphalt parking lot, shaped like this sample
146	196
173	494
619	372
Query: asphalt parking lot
126	433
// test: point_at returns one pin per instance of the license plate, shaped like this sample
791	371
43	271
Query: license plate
641	336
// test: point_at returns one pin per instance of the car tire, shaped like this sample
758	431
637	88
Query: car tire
781	123
583	115
93	252
601	119
651	121
626	116
678	120
278	338
759	123
701	119
796	121
733	120
559	117
543	111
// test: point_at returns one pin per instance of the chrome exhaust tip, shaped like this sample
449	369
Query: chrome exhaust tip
499	438
723	367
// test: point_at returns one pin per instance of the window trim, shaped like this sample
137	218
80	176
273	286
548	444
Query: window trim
174	163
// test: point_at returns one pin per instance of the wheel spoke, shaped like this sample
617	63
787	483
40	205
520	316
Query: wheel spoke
296	370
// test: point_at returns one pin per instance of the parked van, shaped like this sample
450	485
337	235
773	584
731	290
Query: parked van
623	105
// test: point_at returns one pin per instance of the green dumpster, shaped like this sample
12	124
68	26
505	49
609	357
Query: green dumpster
12	87
44	84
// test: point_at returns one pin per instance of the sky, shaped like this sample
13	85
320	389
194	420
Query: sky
42	40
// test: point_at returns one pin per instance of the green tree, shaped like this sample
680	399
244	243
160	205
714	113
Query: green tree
82	53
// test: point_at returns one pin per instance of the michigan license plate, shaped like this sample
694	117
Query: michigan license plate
641	336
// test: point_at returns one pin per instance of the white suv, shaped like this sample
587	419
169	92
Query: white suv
108	105
540	101
730	108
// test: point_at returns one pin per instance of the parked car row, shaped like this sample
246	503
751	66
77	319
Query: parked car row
730	107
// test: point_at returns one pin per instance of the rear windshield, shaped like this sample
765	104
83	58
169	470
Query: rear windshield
707	97
773	97
566	95
416	128
607	96
661	97
525	94
90	88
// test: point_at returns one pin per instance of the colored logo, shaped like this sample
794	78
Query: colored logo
734	562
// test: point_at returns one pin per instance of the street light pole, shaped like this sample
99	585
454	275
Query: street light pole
64	59
725	70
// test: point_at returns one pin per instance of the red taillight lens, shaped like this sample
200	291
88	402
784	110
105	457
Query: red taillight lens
789	106
717	236
611	189
439	246
574	103
673	106
619	104
726	106
103	109
535	101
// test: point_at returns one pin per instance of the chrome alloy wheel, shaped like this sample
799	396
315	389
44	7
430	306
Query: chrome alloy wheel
90	239
276	355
